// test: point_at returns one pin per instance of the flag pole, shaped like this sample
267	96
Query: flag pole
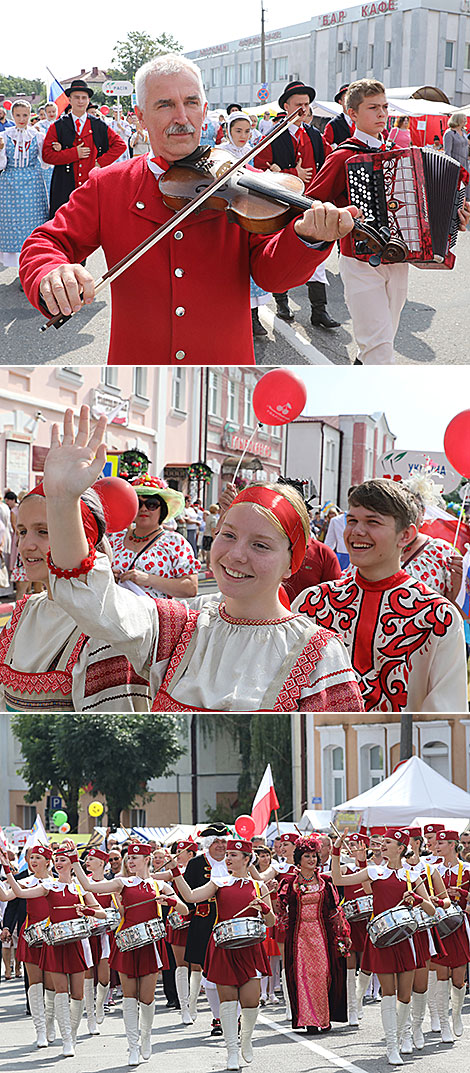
276	813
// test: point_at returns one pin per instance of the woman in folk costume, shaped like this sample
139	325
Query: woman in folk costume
41	989
46	662
141	899
184	852
391	883
23	198
245	652
452	965
317	940
96	861
237	971
356	849
67	961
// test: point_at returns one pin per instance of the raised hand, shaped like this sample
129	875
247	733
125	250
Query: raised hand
74	464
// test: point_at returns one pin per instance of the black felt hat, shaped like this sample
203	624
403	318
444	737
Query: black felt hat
339	94
295	87
79	86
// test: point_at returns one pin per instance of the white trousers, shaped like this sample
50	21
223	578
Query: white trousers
375	298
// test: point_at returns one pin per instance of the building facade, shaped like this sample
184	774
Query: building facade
401	42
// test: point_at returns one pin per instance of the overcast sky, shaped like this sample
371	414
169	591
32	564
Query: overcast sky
66	39
418	402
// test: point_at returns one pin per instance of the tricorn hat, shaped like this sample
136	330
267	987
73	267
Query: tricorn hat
339	94
295	87
80	86
215	830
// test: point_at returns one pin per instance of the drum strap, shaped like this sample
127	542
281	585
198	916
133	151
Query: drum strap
409	884
157	893
430	883
114	899
460	874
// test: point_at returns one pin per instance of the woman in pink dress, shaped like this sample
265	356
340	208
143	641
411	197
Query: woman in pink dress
452	964
317	941
236	972
392	884
399	136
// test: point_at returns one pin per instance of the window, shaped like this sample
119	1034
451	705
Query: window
178	390
330	455
229	75
436	755
249	419
372	766
258	72
26	816
140	381
467	56
371	57
214	394
215	76
232	402
110	375
354	59
334	789
449	54
244	74
388	54
280	69
137	817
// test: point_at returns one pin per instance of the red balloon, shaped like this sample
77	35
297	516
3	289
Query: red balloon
279	397
7	105
104	109
457	442
120	502
245	826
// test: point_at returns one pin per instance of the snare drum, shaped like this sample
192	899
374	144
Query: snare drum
392	926
448	920
35	934
175	920
67	931
243	931
358	908
110	923
425	920
140	935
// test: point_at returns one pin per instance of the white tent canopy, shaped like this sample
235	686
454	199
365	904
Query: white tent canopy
414	789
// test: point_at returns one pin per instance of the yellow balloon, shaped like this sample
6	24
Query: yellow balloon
96	808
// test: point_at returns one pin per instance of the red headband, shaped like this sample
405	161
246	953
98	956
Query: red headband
447	836
289	838
402	837
358	837
186	845
88	519
42	851
240	844
286	515
433	828
139	849
99	853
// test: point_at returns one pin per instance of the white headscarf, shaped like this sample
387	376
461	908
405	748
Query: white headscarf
229	145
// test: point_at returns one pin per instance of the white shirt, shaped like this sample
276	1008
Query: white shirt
375	143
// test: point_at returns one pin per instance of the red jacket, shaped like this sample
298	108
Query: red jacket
189	295
82	166
320	564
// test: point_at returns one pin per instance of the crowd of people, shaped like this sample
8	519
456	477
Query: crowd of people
58	167
239	917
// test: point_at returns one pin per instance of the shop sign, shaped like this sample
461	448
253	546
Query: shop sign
381	8
239	443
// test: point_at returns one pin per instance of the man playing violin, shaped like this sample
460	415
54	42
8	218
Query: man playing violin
196	275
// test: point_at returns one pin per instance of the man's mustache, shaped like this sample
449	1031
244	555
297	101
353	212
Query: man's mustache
180	128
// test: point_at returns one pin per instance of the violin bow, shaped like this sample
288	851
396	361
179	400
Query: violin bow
60	318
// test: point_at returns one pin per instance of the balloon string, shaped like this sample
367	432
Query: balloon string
248	445
462	509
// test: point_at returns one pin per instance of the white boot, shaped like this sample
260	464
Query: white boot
49	997
442	998
418	1009
432	1002
286	994
101	993
229	1019
89	993
62	1013
352	997
458	999
388	1010
182	990
363	981
76	1011
249	1019
194	989
146	1022
405	1044
130	1013
36	1005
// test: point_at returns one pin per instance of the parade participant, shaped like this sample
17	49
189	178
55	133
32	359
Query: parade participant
50	117
280	870
377	609
429	559
150	556
427	943
431	831
375	295
452	965
235	971
41	989
193	658
395	965
23	198
168	323
184	852
141	899
96	861
46	662
264	858
342	127
357	845
300	150
119	124
76	143
67	961
320	564
318	937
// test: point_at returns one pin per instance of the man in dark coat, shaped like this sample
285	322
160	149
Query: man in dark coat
342	127
198	871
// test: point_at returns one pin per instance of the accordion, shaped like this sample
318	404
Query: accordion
413	193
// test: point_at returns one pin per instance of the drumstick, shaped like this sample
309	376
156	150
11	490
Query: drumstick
338	835
249	906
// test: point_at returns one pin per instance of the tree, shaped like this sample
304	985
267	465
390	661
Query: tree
118	754
12	85
140	47
263	738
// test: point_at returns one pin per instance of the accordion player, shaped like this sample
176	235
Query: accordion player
414	194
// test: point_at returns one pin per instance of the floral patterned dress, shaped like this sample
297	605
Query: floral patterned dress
170	556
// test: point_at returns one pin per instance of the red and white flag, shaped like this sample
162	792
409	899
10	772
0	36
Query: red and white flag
264	802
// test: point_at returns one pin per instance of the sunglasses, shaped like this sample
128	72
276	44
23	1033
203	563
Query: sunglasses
150	504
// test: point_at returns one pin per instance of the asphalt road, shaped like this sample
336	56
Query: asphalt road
176	1048
434	325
